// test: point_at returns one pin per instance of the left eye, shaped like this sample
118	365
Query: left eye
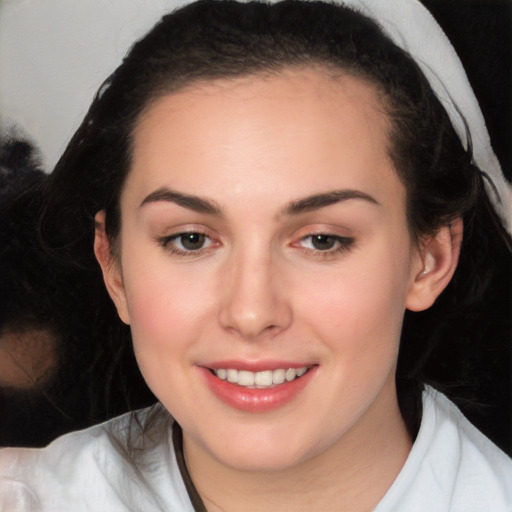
324	242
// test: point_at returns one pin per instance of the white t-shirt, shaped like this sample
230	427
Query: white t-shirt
112	468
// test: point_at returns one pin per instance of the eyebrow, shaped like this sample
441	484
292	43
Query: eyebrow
317	201
306	204
194	203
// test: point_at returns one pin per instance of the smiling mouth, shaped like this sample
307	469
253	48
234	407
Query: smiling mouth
260	380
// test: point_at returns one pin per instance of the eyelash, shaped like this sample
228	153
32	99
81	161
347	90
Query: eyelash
341	244
167	243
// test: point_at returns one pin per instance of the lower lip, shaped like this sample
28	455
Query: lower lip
256	400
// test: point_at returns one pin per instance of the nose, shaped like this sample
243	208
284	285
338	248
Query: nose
255	303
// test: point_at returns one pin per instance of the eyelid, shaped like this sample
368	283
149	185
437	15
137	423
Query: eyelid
344	241
170	231
165	241
322	229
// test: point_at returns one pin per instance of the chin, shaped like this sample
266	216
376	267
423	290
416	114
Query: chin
269	461
271	451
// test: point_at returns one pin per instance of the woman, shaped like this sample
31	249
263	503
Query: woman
271	187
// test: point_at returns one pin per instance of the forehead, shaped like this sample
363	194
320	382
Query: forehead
284	127
326	86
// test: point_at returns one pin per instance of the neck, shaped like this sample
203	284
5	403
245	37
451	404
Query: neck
352	474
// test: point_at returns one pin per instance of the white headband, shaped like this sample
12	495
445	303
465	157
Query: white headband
411	27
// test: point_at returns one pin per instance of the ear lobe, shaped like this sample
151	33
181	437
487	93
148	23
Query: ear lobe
110	267
438	258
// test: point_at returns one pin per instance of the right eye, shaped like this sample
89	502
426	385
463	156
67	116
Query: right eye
186	243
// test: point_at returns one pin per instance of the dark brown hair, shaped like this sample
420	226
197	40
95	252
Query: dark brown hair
211	39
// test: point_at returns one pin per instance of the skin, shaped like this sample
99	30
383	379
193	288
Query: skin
260	291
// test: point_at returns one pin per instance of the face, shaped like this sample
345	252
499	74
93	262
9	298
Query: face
265	264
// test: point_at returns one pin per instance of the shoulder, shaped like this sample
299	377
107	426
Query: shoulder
110	466
96	445
452	466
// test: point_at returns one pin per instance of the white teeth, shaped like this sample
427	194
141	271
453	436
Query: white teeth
278	376
301	371
263	379
290	374
245	378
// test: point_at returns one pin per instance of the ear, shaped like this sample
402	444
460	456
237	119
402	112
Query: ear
110	267
438	256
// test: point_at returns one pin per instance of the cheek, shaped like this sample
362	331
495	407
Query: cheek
168	314
167	304
163	308
360	309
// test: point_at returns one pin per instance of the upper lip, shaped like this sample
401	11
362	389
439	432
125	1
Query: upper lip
255	366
